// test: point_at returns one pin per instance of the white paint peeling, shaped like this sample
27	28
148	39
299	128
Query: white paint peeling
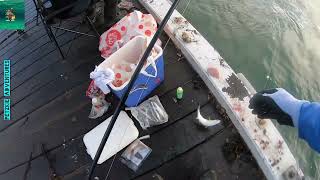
262	139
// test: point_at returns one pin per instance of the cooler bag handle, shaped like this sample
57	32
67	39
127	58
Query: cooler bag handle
153	64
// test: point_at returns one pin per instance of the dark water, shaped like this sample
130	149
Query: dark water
18	6
275	38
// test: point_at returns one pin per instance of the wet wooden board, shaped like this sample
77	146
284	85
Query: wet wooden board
48	47
39	170
230	92
36	33
31	49
56	114
37	83
51	71
7	35
76	120
50	67
21	70
67	165
17	38
48	93
47	125
23	76
43	32
36	124
207	156
16	174
166	144
169	84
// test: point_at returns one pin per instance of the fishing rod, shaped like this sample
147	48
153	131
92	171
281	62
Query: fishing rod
131	82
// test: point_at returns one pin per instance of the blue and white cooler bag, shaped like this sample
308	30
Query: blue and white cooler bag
151	75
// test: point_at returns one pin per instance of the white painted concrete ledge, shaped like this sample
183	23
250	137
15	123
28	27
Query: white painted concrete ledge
264	140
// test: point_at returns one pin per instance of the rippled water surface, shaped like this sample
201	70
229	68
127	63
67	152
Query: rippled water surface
276	38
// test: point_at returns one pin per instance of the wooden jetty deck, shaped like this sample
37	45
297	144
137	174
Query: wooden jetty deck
49	107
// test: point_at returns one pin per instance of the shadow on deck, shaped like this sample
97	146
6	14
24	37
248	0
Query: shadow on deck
49	107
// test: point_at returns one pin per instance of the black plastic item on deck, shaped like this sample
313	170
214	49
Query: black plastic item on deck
125	95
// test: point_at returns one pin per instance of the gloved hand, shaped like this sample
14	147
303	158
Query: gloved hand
277	104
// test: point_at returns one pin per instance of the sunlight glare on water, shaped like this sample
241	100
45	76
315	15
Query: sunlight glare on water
280	37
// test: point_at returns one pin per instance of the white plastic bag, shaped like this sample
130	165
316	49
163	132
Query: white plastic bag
135	154
130	26
99	106
102	77
149	113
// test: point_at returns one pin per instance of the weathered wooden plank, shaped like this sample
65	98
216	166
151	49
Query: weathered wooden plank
17	45
229	90
33	33
3	31
45	78
28	4
7	35
171	70
55	128
38	129
30	9
38	54
206	156
170	52
39	170
48	93
15	58
16	174
36	45
174	118
14	86
49	67
166	144
30	29
48	125
22	70
14	35
51	74
44	52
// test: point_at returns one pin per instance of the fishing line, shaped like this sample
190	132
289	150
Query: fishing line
269	79
130	85
114	157
184	10
275	35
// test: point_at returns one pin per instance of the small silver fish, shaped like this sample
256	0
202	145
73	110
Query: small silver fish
205	122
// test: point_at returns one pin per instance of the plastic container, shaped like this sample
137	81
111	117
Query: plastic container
122	134
151	75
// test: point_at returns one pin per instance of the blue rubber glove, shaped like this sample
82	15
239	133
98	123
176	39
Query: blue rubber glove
309	124
277	104
280	105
